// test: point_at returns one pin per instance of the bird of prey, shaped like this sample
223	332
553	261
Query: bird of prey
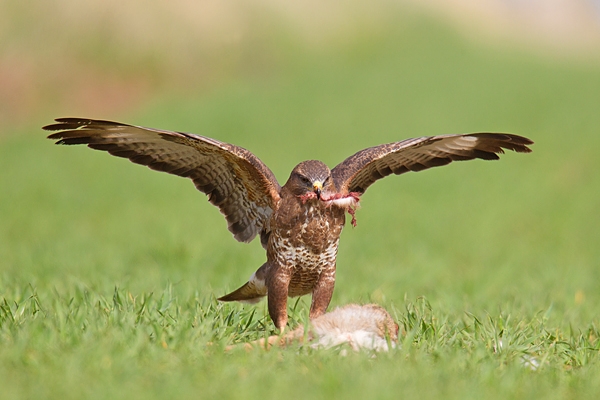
299	223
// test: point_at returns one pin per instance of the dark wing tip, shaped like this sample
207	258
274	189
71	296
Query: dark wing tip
70	137
495	142
62	122
75	123
72	130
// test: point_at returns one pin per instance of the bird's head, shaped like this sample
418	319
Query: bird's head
310	177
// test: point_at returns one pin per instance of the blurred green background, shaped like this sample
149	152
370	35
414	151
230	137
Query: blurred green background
292	82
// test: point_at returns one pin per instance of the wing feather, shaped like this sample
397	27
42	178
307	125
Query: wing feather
361	170
235	180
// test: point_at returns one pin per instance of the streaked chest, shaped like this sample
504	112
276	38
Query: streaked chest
308	239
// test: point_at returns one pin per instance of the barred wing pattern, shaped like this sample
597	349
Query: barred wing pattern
235	180
361	170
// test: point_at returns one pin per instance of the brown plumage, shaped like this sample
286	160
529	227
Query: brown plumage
300	222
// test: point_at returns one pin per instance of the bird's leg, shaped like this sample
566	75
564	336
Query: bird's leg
321	296
277	292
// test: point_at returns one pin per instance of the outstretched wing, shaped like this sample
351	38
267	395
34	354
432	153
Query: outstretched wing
358	172
235	180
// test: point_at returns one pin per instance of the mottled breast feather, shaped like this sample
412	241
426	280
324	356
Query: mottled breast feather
235	180
359	171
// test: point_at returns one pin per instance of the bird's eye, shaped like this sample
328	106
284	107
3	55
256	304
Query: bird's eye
326	180
305	180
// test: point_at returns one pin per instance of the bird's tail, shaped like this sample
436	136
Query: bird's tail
246	294
254	290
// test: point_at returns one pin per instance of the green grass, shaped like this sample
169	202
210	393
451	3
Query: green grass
110	271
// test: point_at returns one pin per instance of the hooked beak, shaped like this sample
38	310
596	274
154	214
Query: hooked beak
318	188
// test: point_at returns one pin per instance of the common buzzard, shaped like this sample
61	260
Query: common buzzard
300	222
